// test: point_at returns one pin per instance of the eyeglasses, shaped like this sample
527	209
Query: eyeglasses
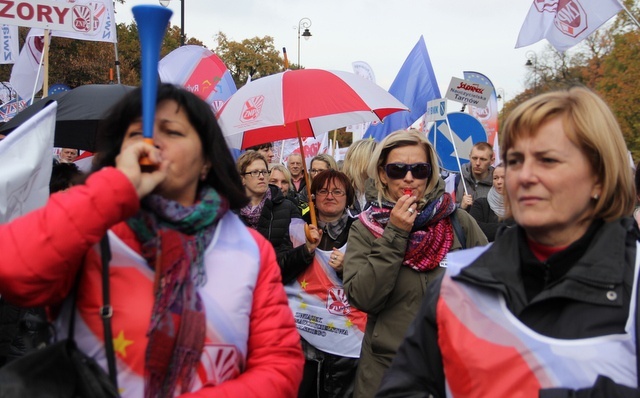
397	171
316	171
337	193
256	173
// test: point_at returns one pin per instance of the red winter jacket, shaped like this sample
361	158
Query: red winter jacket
43	251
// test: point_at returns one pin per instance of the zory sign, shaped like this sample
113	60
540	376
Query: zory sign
53	15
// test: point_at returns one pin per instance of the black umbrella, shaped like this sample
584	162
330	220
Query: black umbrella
79	112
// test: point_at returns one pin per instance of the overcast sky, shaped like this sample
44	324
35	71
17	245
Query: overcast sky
460	34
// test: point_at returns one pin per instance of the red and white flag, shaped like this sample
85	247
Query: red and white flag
25	69
565	23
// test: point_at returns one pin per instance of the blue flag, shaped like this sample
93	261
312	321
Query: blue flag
414	86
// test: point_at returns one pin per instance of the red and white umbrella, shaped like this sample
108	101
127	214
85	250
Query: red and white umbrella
301	103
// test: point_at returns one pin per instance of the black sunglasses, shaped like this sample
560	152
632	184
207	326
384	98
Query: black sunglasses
397	171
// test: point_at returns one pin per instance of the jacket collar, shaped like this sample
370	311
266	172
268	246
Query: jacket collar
597	270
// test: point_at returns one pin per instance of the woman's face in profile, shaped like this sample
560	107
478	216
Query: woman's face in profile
180	144
550	184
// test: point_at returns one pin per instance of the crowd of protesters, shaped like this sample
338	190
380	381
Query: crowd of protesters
393	291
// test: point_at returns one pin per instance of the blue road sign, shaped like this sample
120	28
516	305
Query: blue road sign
466	131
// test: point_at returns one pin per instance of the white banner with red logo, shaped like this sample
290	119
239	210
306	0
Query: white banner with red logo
565	23
312	146
25	165
25	69
487	115
317	298
93	18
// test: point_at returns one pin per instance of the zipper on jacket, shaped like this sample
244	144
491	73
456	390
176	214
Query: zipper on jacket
270	225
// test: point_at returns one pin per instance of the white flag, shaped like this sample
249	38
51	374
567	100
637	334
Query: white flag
25	165
9	35
365	71
25	70
565	23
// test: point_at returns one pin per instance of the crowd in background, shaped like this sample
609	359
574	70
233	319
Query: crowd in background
394	291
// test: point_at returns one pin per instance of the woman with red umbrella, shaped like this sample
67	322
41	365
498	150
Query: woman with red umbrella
270	213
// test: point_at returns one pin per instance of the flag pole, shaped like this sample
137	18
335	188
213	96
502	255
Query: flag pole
455	150
45	55
629	14
35	85
115	45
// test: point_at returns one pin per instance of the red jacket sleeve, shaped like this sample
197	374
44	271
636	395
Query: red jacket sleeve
275	360
42	250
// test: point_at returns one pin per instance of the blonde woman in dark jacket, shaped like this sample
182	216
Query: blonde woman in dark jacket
396	247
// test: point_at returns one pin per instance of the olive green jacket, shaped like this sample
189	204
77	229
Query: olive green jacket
390	293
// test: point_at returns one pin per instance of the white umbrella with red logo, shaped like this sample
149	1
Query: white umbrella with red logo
302	103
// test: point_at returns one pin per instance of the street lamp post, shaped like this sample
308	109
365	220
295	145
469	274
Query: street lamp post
501	96
165	3
532	61
303	23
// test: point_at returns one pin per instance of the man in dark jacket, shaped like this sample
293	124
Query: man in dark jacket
477	176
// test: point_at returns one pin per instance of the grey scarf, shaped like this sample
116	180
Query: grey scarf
496	202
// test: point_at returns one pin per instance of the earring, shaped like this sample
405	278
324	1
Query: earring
596	197
203	174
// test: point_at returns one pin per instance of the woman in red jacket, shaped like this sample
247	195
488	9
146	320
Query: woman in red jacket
198	306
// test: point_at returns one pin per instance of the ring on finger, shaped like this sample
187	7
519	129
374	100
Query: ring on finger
410	210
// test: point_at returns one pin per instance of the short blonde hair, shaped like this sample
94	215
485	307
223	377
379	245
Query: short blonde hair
591	126
398	139
328	159
281	168
249	157
356	162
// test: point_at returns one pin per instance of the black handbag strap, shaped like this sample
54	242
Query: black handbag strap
106	312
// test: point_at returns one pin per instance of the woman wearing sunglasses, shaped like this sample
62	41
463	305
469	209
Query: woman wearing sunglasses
270	213
396	246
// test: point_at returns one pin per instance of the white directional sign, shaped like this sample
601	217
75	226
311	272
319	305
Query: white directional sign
436	110
470	93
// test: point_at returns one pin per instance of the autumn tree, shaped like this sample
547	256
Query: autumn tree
606	63
253	58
